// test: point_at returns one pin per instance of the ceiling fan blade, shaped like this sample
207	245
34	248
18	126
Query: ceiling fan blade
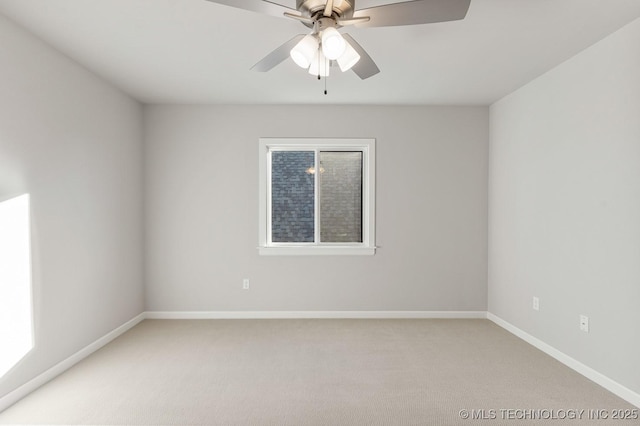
365	67
328	8
303	19
260	6
414	12
277	56
352	21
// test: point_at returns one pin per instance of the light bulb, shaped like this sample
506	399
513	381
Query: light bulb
333	45
349	58
303	52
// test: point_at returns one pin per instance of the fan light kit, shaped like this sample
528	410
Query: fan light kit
315	51
325	45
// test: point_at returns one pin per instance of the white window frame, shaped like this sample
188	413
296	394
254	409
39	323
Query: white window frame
367	147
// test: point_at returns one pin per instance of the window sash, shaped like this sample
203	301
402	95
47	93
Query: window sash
270	198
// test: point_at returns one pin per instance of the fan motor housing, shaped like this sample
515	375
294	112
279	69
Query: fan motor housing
341	8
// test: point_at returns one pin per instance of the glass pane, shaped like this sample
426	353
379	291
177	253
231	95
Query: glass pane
292	196
341	197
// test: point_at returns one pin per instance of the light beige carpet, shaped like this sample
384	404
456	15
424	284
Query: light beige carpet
316	372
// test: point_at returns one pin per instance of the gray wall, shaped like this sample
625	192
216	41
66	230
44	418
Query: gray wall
201	181
74	144
565	207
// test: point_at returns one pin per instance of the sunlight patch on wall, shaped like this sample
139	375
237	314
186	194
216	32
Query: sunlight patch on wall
16	315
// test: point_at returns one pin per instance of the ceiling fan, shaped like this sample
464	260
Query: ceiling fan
325	45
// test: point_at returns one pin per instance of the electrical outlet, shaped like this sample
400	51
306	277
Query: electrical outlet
584	323
536	303
245	284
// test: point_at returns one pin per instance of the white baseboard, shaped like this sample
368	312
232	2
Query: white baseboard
314	314
607	383
33	384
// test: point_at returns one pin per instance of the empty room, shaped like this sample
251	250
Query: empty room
319	212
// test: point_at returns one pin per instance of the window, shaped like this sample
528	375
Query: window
317	196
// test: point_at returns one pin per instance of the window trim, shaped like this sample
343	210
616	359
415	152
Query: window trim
366	146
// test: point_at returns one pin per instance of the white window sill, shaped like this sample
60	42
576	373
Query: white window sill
317	251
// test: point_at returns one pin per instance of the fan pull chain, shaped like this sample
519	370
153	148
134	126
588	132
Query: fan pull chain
326	74
319	62
325	71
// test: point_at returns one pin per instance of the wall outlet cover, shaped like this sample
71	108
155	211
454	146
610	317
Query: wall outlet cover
584	323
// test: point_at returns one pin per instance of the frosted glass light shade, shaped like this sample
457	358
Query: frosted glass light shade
349	58
333	45
303	52
320	65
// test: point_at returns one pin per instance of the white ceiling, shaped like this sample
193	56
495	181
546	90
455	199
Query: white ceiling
195	51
